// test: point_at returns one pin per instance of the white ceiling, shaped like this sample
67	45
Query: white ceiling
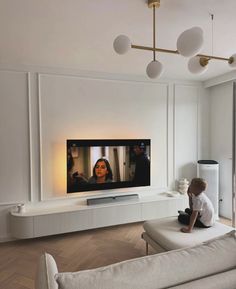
79	34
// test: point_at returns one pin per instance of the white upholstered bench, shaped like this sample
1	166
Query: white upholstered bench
164	234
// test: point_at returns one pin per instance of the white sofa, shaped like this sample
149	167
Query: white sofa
211	265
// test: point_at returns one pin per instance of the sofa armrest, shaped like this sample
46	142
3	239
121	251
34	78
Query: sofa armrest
47	268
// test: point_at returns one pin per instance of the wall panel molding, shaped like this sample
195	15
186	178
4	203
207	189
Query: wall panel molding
15	183
40	135
174	135
25	94
47	79
30	136
186	145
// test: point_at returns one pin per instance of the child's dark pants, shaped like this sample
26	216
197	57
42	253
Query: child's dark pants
184	218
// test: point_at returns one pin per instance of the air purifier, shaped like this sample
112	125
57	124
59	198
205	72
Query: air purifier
209	170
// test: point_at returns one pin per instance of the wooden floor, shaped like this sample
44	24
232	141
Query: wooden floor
225	221
72	252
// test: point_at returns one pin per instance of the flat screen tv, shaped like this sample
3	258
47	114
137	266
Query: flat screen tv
107	164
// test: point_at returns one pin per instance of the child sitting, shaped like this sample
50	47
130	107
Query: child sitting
201	212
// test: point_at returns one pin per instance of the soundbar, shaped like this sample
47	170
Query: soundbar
112	199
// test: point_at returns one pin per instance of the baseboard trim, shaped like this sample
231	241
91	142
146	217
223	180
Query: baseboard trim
6	239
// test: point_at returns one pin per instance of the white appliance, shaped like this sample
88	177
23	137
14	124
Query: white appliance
209	170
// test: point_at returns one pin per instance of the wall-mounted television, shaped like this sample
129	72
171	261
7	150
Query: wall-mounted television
107	164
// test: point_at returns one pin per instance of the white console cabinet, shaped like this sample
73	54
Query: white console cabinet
37	222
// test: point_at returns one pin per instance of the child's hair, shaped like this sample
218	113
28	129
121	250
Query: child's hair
199	184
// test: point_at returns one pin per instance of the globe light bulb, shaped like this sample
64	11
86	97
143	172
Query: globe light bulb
122	44
154	69
195	67
190	42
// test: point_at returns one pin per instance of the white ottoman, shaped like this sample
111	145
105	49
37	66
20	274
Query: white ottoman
164	234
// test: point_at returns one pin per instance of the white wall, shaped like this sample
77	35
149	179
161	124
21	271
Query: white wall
221	99
41	108
14	141
79	108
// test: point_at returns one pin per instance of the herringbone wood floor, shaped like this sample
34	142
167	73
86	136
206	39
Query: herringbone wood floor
73	252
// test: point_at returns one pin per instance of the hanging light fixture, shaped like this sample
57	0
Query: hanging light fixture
189	44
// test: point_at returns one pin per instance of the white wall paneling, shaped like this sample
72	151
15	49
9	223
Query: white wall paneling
203	124
170	136
185	131
15	139
34	137
221	100
80	108
42	107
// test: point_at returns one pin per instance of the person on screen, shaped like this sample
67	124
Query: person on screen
70	165
74	178
200	212
142	166
102	172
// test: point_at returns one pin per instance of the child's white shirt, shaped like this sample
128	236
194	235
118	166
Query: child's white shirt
203	205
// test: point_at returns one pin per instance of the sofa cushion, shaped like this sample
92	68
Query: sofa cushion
158	271
166	232
47	268
225	280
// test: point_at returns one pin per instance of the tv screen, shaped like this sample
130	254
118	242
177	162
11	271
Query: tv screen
107	164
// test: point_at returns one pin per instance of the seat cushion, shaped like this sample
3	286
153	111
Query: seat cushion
166	233
158	271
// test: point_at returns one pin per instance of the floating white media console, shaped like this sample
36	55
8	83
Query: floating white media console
37	222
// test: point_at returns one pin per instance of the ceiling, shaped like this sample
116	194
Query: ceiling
79	34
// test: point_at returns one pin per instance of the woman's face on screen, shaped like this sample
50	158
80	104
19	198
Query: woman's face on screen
101	169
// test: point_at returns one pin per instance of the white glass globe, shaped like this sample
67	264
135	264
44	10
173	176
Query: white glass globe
233	64
154	69
122	44
190	42
195	67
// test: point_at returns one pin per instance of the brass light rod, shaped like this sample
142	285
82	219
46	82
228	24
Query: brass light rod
214	57
154	35
156	49
176	52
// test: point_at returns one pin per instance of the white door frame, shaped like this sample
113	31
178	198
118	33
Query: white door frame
234	158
